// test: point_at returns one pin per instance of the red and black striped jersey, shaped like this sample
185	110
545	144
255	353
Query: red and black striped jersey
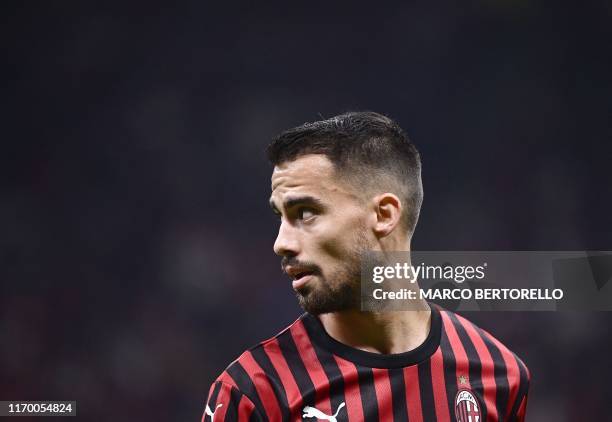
460	373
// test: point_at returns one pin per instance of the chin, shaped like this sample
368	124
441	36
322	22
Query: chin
316	302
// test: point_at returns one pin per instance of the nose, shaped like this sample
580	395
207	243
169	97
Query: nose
286	243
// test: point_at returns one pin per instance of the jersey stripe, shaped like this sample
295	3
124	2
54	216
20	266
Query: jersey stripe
368	394
212	397
413	393
487	374
461	360
214	393
384	398
522	390
245	410
512	372
439	386
314	368
297	368
427	401
292	391
231	411
499	373
475	366
226	403
245	384
262	359
263	387
333	374
398	393
226	378
520	414
351	389
254	417
450	367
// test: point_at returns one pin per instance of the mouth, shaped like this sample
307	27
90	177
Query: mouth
301	281
299	276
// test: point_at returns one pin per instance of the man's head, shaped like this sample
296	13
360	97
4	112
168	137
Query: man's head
341	186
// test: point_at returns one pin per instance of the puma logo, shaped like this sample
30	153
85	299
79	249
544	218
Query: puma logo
313	412
210	413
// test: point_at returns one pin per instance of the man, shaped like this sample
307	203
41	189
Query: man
341	187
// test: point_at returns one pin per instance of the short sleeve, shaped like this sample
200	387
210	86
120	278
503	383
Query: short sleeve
520	414
227	404
520	407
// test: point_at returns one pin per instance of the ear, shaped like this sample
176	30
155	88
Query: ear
388	213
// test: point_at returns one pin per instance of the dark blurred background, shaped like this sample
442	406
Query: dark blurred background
135	235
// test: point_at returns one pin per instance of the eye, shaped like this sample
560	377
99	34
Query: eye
306	214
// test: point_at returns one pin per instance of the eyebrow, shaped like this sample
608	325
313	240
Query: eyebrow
299	200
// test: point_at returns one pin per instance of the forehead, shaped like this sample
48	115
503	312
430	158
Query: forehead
313	174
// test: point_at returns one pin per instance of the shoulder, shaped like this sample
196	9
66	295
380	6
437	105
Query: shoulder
468	339
469	346
262	361
253	379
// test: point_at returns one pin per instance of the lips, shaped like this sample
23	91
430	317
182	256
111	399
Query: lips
297	272
298	283
299	275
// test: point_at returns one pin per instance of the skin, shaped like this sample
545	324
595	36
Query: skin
325	225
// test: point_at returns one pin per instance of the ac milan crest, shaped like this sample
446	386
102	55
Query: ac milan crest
467	408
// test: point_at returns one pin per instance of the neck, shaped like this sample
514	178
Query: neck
379	332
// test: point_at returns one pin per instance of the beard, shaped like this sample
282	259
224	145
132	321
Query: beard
341	289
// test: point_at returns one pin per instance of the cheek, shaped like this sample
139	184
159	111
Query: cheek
338	237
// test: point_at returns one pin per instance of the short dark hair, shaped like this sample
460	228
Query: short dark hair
367	147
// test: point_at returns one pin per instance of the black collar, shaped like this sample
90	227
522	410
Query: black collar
319	336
